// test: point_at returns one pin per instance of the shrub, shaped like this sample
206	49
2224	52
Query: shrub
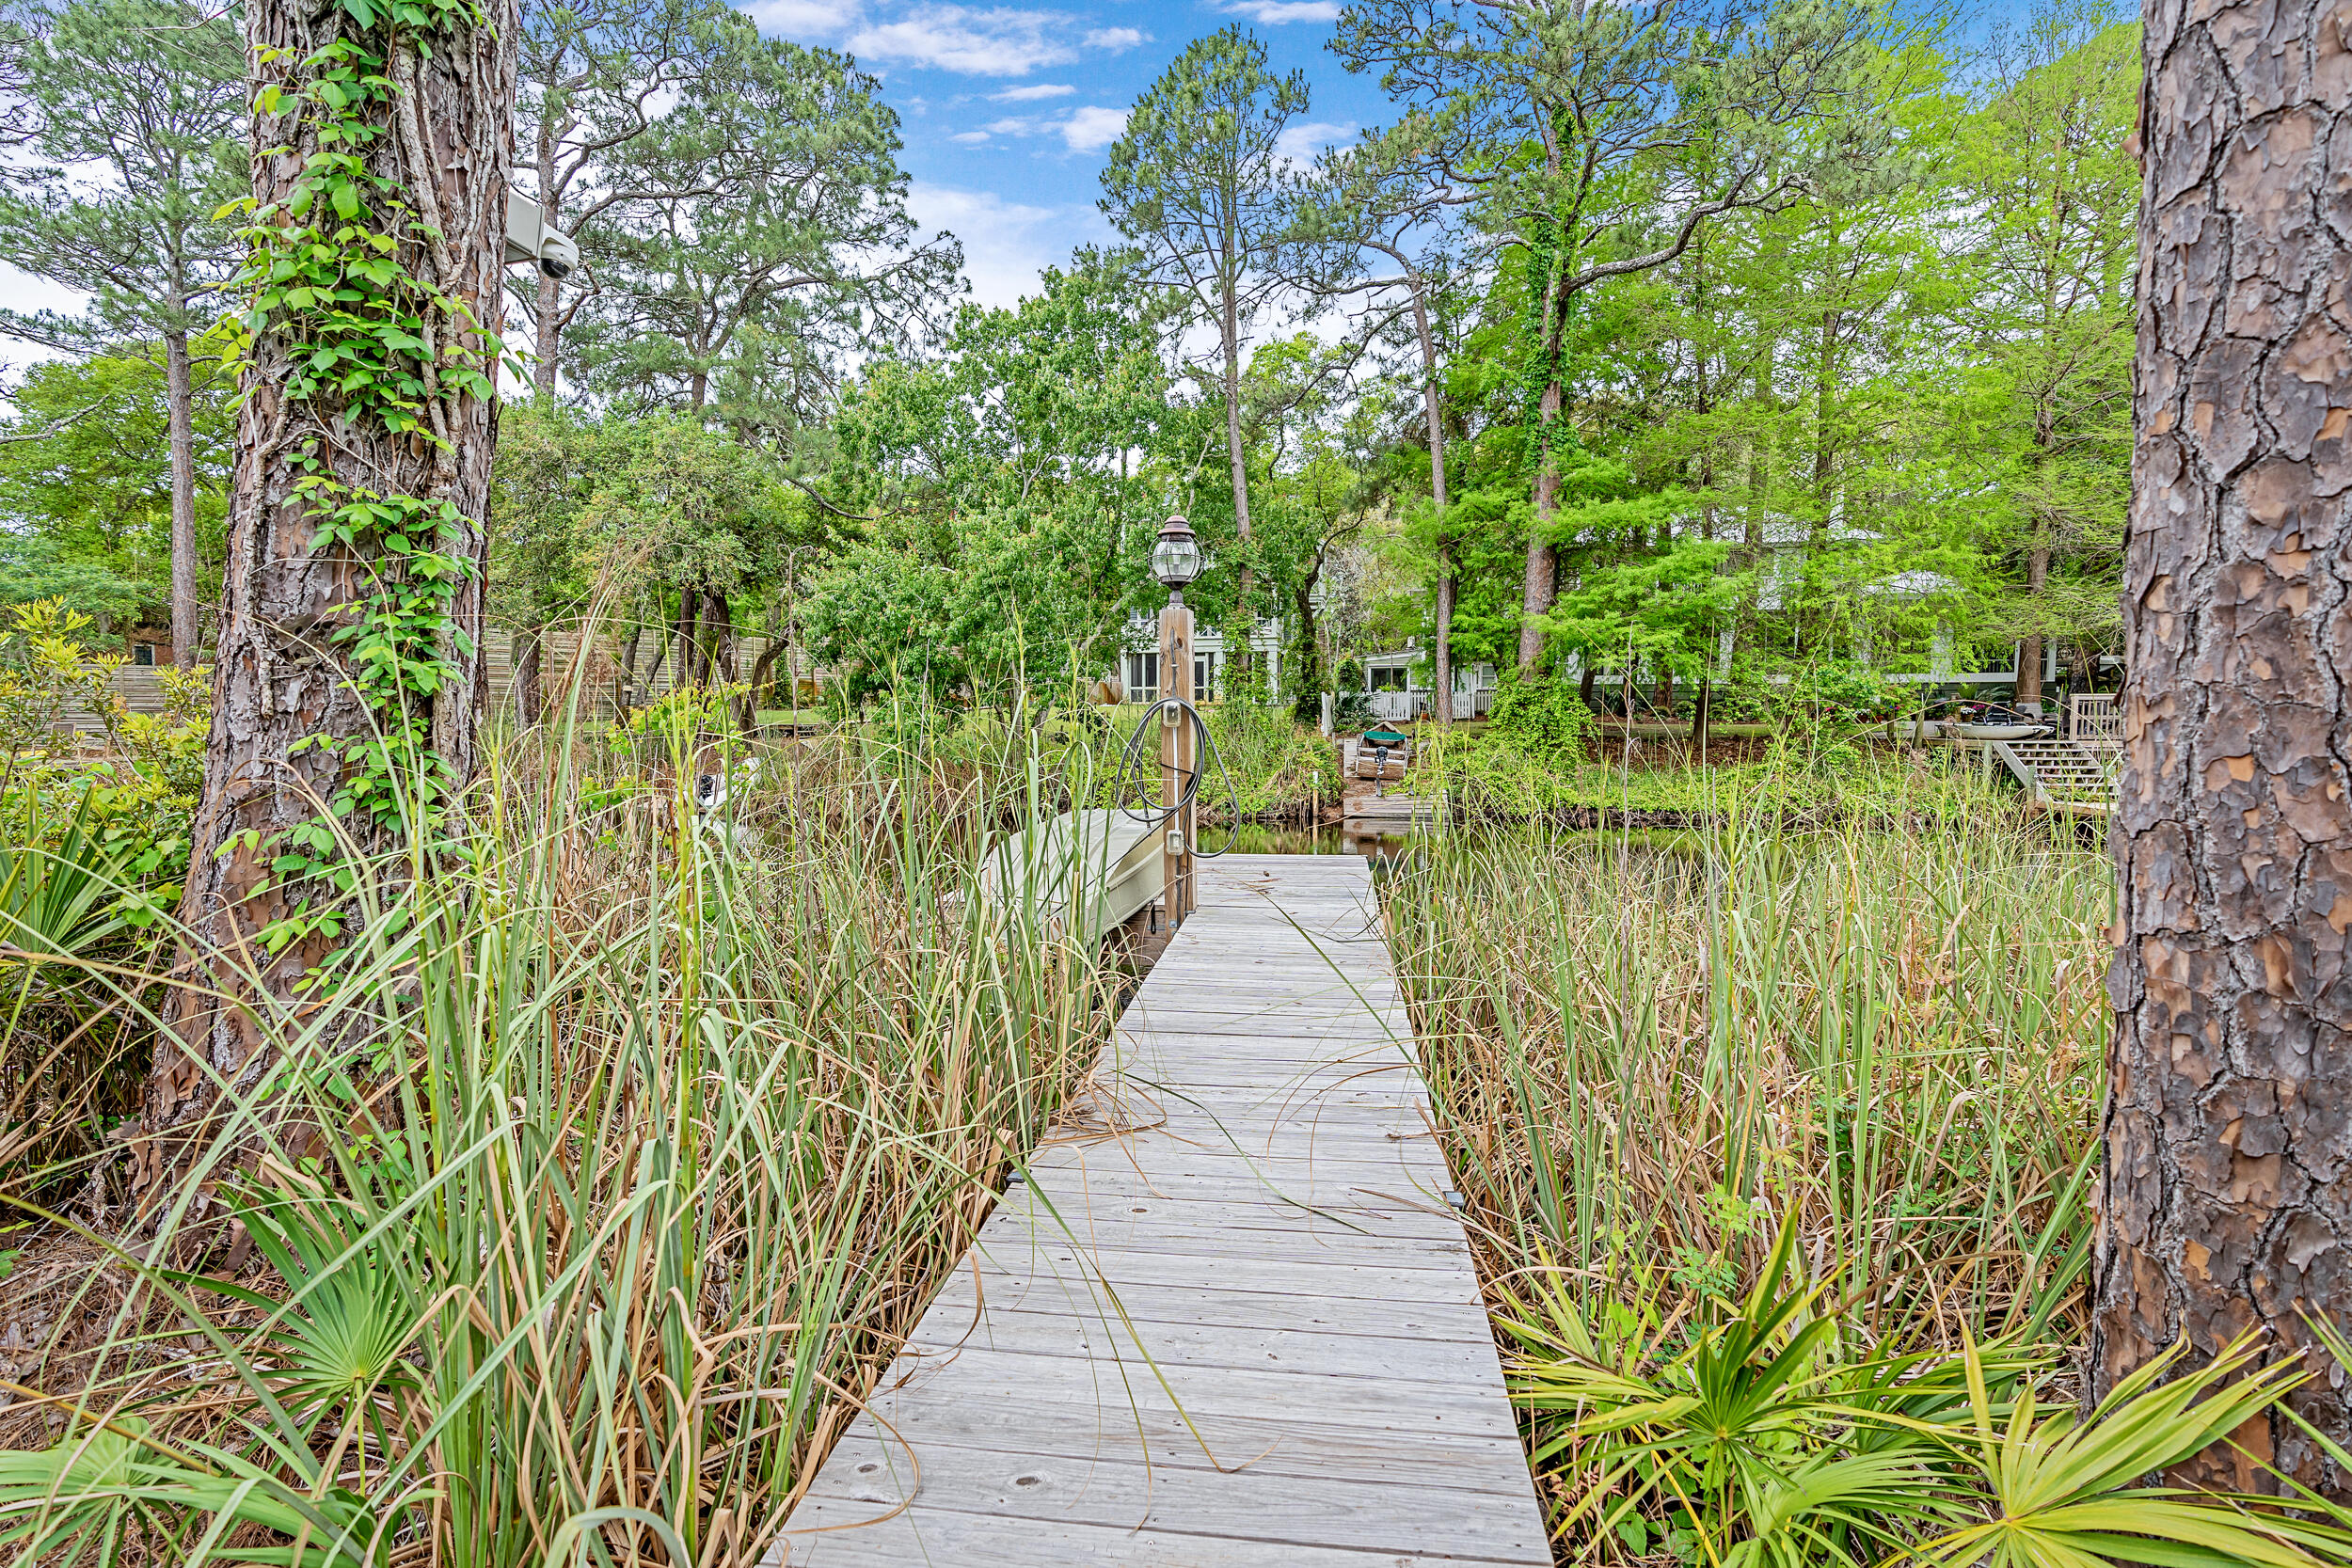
1546	720
1836	694
45	672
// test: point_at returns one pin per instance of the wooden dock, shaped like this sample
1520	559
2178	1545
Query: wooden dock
1229	1318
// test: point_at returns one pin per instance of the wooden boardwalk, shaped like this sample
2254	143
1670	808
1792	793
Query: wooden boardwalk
1229	1320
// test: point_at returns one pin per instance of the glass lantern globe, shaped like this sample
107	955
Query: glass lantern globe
1176	555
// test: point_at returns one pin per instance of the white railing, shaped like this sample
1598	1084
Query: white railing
1394	705
2093	719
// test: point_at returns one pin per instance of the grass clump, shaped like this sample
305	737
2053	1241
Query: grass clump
582	1209
1775	1148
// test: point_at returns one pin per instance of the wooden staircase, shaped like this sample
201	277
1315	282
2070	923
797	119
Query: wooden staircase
2061	772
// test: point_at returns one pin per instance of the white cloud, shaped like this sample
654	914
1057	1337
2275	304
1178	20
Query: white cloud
1093	128
999	41
1006	244
941	35
1086	130
1299	145
805	19
969	138
1274	13
1031	94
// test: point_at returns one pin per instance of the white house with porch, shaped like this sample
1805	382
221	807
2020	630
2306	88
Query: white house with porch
1140	662
1402	684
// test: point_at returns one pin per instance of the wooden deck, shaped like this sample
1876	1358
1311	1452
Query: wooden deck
1229	1318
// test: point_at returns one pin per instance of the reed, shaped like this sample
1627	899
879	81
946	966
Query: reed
1652	1052
584	1210
1651	1061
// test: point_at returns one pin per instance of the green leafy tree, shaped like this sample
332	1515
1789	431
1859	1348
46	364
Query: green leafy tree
593	77
764	236
1199	180
1601	140
149	94
2053	199
689	516
1000	499
87	481
552	464
1375	216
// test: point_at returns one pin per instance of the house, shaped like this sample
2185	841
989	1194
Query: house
1401	685
147	644
1140	662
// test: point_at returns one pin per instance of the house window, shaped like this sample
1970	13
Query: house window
143	655
1143	677
1203	677
1387	677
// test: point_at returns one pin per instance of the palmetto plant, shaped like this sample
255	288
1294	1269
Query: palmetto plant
1770	1441
593	1196
1639	1055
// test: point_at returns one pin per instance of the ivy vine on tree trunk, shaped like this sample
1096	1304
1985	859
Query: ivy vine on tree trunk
349	675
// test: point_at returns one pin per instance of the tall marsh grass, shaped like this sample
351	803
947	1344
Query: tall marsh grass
576	1219
1775	1148
1646	1055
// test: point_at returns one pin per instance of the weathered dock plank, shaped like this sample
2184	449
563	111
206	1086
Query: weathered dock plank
1227	1319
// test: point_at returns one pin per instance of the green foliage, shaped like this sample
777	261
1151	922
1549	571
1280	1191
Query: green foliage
668	729
151	92
369	341
1782	1141
323	272
426	1355
1835	695
86	479
1544	719
46	673
1769	1434
764	238
1276	764
1007	493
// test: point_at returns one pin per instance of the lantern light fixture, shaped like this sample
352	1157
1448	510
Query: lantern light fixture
1176	557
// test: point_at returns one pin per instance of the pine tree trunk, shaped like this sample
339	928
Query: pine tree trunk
2227	1193
187	628
282	676
1229	329
547	327
1433	413
529	649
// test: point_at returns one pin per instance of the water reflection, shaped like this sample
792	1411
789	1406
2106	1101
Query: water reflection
1256	838
1387	843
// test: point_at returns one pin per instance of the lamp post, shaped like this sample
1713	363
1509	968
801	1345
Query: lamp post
1176	561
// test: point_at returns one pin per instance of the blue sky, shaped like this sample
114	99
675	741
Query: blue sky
1008	110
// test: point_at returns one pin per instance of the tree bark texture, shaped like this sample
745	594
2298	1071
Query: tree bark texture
2030	653
279	678
187	628
1543	560
1228	327
548	326
530	655
2226	1192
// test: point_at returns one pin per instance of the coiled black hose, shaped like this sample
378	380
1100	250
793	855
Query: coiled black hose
1157	815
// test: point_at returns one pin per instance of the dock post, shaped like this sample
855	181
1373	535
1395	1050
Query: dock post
1178	759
